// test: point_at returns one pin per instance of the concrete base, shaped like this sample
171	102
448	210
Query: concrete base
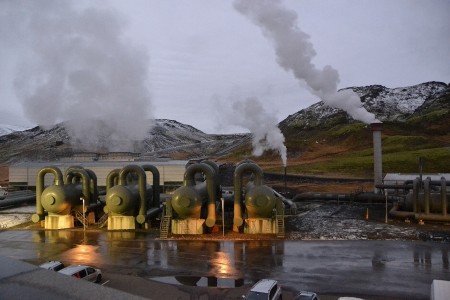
188	226
121	223
260	225
58	222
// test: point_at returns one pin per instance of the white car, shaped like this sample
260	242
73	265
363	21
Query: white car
266	289
84	272
53	265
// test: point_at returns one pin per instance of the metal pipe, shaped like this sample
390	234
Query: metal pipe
142	185
427	191
156	202
415	195
433	217
93	187
85	181
216	177
14	200
189	180
39	215
112	179
320	196
377	154
444	196
395	212
394	186
153	212
245	166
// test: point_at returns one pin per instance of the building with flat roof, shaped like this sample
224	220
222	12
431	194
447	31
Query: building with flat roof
171	171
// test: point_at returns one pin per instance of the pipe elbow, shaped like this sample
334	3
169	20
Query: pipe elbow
140	219
37	218
238	221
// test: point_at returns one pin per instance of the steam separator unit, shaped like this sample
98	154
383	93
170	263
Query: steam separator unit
194	206
128	200
256	204
73	195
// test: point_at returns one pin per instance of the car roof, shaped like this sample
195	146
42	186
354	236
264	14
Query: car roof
50	264
73	269
264	285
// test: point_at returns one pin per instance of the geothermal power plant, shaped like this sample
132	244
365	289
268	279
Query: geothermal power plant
187	197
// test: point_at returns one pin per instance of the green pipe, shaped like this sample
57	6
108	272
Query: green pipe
93	187
39	215
156	178
112	179
189	180
85	181
142	185
243	167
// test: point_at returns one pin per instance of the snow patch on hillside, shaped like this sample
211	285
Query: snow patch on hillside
7	129
387	104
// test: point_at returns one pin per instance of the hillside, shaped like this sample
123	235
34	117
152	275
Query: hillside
167	138
320	140
415	124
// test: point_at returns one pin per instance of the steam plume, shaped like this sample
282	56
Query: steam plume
263	125
295	53
81	69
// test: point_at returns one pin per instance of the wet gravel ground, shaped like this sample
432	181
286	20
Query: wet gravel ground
332	221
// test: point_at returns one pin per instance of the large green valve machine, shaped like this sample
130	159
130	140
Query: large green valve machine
257	204
71	196
193	205
128	200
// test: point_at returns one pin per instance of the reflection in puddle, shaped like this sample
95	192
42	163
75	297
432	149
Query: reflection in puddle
201	281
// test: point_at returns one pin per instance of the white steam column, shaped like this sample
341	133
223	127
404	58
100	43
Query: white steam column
377	157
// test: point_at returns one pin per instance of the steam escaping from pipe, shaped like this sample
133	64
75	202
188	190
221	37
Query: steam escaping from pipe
295	53
80	68
263	125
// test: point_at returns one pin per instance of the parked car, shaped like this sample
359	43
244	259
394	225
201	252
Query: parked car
306	296
267	289
52	265
84	272
3	193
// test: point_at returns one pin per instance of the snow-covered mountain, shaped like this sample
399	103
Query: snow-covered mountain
170	138
7	129
387	104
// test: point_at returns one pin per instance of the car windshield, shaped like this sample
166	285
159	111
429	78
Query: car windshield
256	296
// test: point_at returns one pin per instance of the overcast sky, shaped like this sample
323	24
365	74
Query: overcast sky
196	57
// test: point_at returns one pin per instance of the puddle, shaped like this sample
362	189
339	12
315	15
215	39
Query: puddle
201	281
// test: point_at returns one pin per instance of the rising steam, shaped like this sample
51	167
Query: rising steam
295	53
263	125
80	69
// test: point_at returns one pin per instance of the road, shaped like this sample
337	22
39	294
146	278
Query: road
395	269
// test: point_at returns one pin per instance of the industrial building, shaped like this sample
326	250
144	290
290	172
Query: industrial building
171	171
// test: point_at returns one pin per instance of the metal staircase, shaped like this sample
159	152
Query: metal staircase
80	217
280	226
103	221
164	227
